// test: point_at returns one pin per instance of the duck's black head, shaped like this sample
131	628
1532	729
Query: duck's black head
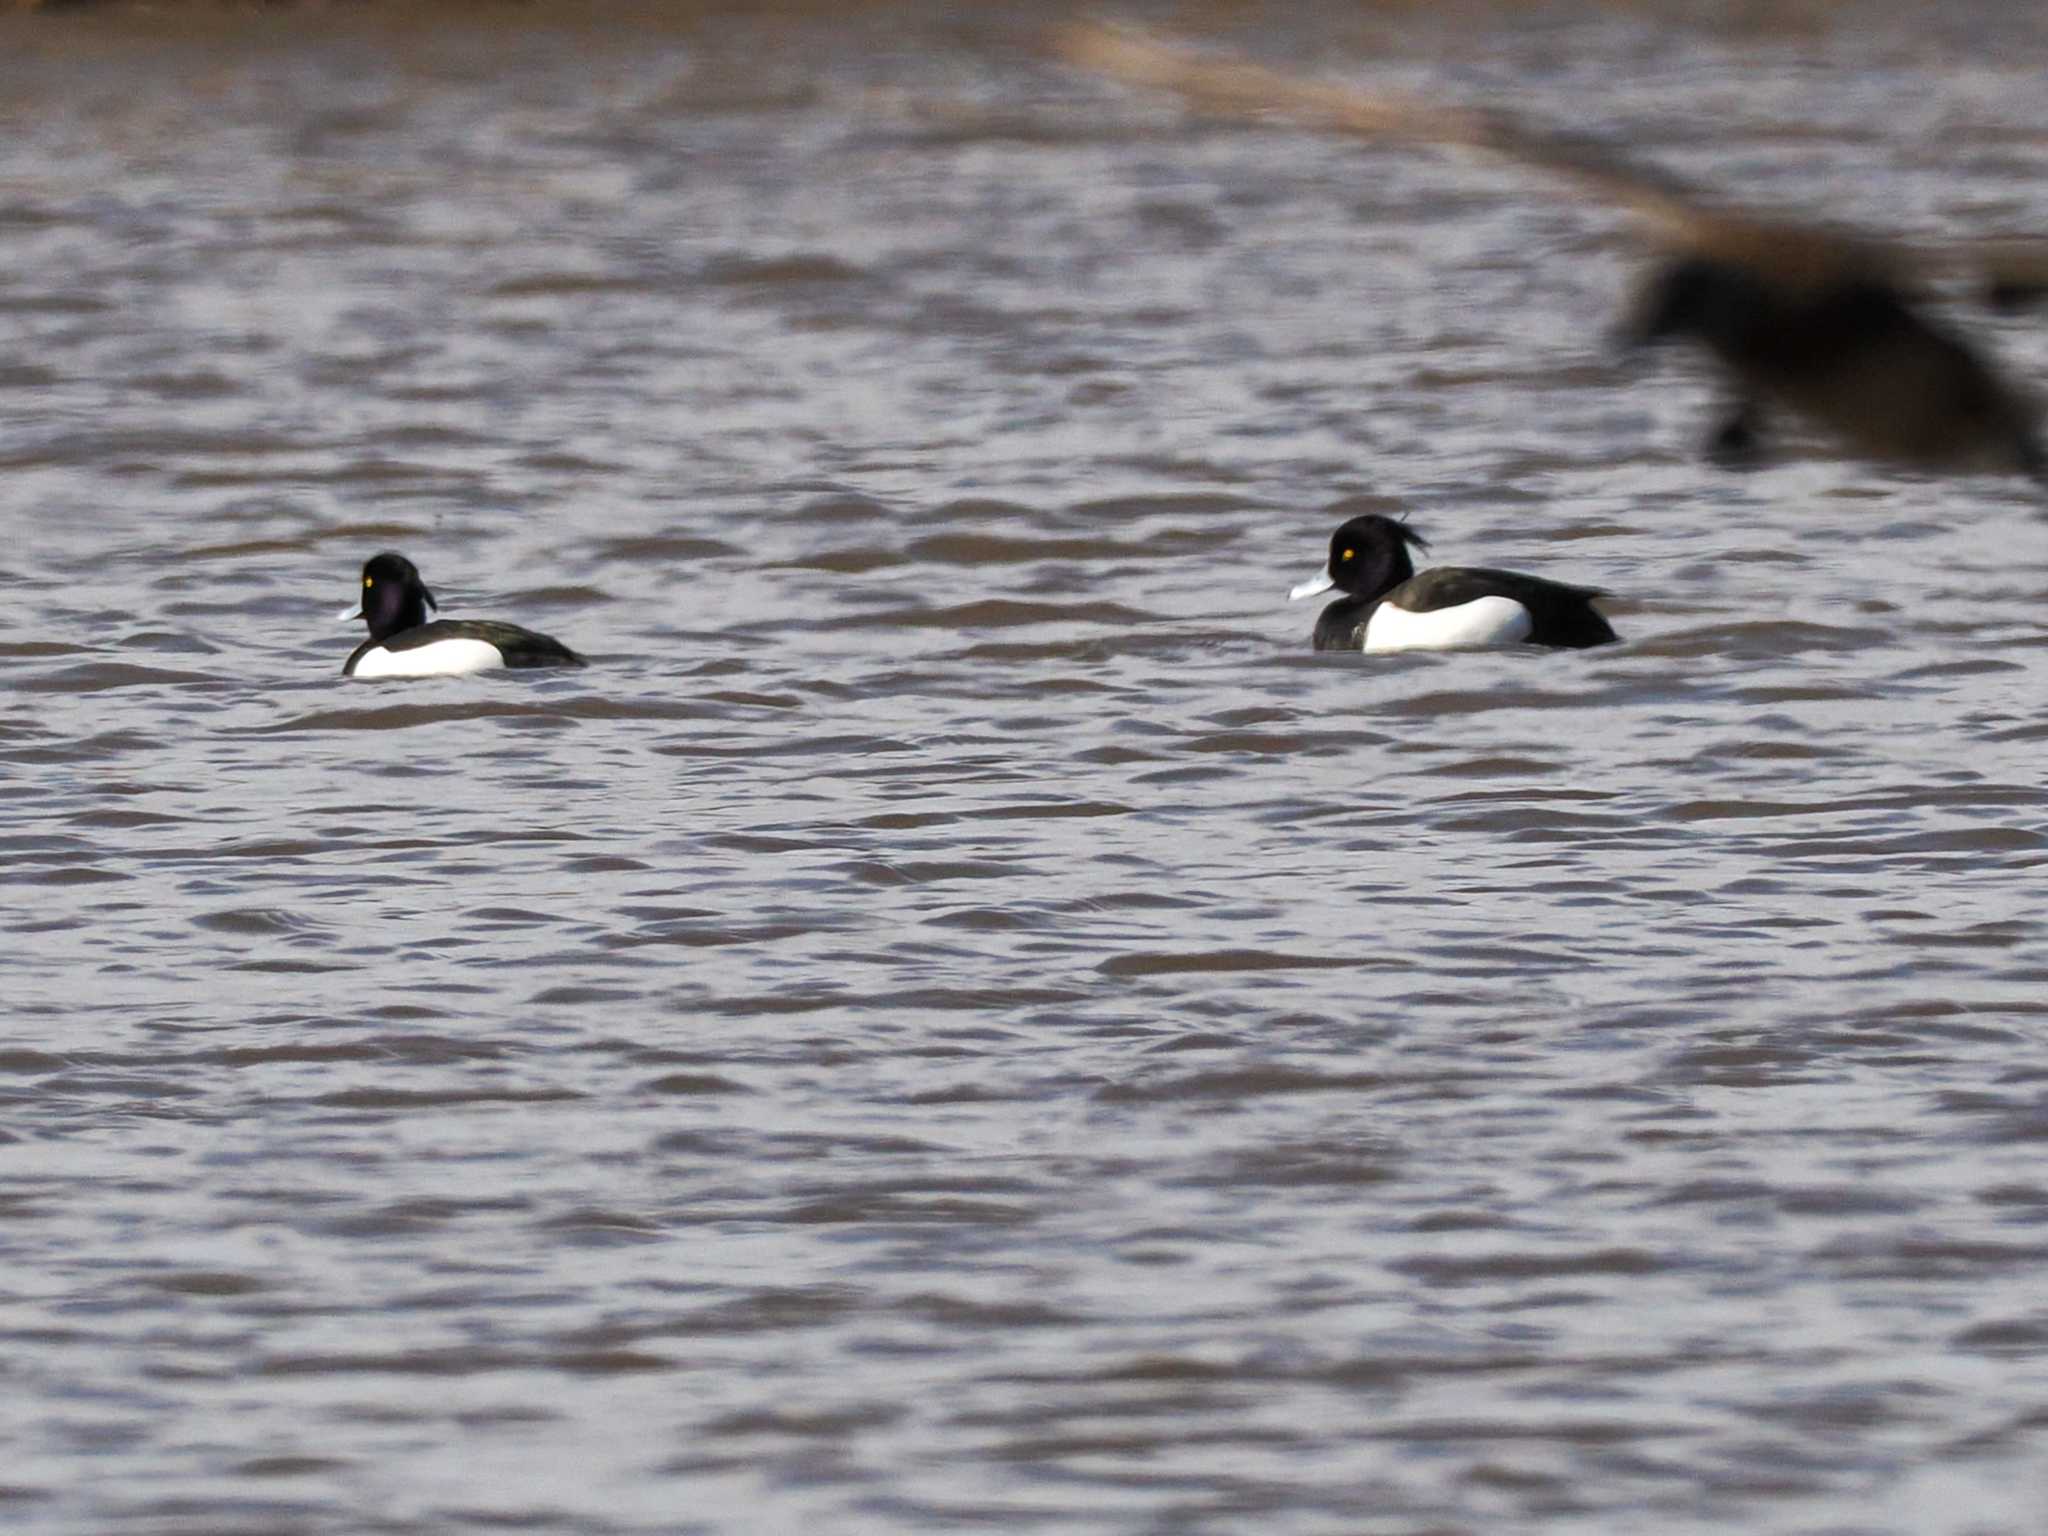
1369	556
1717	302
394	597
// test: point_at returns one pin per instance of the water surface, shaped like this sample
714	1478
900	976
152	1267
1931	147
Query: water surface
958	1020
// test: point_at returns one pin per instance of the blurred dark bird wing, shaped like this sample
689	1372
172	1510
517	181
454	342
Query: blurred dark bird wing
1815	316
1676	214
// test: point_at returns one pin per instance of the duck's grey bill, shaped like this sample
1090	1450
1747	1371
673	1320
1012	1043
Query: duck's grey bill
350	615
1322	583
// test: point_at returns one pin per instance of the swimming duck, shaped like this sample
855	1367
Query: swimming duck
403	643
1388	607
1829	324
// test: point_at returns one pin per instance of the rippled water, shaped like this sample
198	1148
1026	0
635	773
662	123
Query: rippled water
958	1020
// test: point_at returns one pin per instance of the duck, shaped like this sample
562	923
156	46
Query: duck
1805	319
404	643
1848	351
1388	607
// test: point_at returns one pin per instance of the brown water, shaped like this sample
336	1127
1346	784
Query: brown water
958	1020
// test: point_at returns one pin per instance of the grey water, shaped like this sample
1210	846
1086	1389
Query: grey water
958	1020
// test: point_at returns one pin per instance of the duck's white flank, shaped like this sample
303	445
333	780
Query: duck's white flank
441	658
1489	620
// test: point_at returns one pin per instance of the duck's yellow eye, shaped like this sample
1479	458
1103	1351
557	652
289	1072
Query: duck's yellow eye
368	583
1347	556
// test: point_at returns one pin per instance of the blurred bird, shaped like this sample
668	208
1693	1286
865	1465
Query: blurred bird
1820	322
